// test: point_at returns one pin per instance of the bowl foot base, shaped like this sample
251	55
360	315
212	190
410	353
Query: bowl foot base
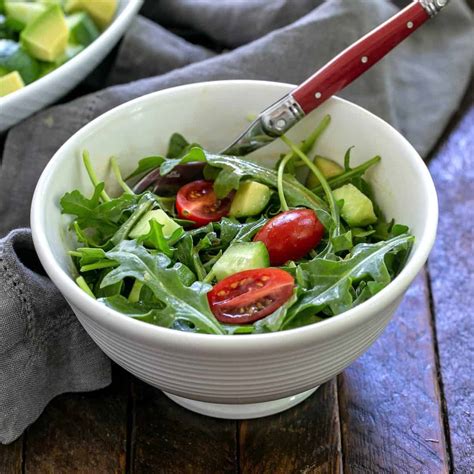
241	411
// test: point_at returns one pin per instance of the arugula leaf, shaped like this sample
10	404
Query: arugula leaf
156	239
342	242
177	146
143	206
386	230
167	204
139	310
180	302
102	219
232	231
347	159
194	154
77	204
327	283
226	181
185	253
110	290
92	258
274	321
188	252
146	164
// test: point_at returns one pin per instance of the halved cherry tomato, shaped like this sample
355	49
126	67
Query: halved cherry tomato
290	235
248	296
196	201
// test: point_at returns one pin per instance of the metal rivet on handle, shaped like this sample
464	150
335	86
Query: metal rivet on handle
364	59
410	25
317	95
281	124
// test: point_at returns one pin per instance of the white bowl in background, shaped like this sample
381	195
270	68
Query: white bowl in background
247	375
46	90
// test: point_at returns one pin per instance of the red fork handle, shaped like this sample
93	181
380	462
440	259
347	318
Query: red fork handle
362	55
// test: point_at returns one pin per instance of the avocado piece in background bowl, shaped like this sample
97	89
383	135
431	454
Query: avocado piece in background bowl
82	29
46	37
11	82
71	51
101	12
20	14
14	58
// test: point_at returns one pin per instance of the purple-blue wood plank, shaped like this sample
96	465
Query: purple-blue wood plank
389	399
451	269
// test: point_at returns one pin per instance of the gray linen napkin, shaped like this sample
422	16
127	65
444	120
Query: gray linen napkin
43	351
416	88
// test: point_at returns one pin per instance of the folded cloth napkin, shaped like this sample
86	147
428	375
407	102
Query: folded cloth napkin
43	349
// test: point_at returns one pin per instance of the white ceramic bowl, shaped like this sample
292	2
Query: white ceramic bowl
248	375
21	104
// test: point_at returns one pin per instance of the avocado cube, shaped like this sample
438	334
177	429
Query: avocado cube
46	37
101	11
250	199
328	169
357	210
71	51
20	14
15	58
143	225
82	29
11	82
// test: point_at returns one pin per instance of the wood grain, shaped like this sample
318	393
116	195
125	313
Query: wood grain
303	439
168	438
11	457
81	433
389	398
451	268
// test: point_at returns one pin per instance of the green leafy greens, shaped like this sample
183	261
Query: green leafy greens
164	279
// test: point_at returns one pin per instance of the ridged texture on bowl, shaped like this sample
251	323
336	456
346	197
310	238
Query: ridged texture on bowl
226	379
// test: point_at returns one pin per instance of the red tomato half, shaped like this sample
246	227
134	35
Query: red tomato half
196	201
248	296
290	235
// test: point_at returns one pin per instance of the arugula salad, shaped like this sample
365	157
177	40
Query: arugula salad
218	244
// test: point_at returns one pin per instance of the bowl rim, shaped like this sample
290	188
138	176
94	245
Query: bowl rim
150	334
122	17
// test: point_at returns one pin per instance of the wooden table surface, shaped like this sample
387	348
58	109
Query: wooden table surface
403	407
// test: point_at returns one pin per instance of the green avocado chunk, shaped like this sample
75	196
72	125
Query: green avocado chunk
101	12
14	58
10	83
357	210
71	51
20	14
143	225
250	199
46	37
82	29
239	257
327	167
